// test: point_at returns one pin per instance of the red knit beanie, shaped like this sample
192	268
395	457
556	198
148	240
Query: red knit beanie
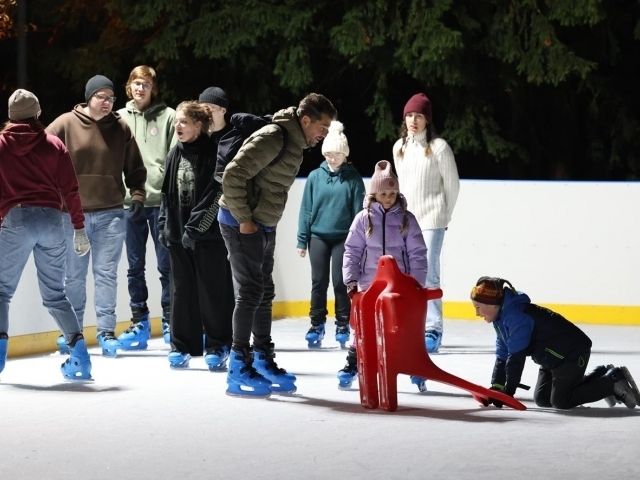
419	103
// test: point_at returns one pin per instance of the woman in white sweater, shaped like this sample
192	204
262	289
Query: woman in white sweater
427	172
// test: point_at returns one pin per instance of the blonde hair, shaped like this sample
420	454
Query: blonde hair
405	221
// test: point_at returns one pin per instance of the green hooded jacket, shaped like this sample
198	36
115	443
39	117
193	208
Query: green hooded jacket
154	132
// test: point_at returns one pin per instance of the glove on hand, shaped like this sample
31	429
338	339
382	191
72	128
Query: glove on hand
81	243
188	242
492	401
163	240
136	209
352	288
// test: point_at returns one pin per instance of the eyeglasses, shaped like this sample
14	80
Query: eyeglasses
334	155
142	85
183	122
105	98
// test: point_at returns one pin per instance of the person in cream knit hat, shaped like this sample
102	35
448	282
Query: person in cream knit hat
427	170
333	195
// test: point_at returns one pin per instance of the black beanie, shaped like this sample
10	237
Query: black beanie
96	83
215	96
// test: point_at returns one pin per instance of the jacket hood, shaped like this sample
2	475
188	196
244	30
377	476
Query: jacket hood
288	118
21	138
345	172
511	300
78	111
402	202
131	107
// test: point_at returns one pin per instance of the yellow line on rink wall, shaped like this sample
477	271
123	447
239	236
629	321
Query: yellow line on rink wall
594	314
37	343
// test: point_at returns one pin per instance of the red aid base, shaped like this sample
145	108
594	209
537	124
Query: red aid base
389	333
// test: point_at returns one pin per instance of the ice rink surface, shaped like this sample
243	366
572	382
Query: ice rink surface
139	419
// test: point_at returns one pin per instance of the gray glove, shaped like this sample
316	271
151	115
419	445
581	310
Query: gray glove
188	242
81	243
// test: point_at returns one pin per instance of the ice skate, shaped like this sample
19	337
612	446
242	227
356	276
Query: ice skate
622	388
166	332
632	384
343	332
315	335
178	359
217	360
421	383
78	365
265	365
433	340
63	348
346	376
4	346
109	344
242	379
136	336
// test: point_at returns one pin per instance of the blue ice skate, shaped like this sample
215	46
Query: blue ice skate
78	365
433	339
166	330
109	344
315	335
217	361
265	365
420	382
346	376
343	333
63	348
4	346
136	336
242	378
178	359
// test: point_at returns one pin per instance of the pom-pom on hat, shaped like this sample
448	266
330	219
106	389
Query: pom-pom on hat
215	96
488	290
335	141
418	103
96	83
22	105
383	178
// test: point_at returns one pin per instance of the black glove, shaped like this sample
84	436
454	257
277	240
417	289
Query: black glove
136	209
188	242
492	401
163	240
352	288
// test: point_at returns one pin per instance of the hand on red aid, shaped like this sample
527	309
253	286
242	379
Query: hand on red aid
493	401
352	288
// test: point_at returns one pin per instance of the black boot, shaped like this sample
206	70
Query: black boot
599	372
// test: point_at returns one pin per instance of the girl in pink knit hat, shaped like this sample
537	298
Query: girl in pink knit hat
383	227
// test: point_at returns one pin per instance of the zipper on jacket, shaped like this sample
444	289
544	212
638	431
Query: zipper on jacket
554	353
384	232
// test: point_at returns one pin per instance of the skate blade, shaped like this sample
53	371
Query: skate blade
236	391
135	346
632	383
286	390
78	379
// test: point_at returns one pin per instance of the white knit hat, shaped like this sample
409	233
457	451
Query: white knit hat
22	105
335	141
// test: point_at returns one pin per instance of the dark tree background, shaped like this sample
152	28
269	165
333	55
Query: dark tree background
525	89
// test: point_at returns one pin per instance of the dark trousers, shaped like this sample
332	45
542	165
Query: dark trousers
201	296
325	255
251	257
564	387
136	242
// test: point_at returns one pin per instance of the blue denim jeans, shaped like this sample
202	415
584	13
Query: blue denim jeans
434	239
136	242
106	230
251	258
39	230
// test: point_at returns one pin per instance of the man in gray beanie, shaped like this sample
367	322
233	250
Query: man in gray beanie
104	152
